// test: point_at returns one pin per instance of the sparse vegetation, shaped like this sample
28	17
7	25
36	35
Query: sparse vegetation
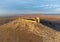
23	30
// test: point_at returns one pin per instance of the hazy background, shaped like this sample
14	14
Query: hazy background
9	7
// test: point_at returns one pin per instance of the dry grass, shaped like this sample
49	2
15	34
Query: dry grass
22	30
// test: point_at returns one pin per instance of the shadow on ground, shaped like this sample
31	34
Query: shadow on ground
53	25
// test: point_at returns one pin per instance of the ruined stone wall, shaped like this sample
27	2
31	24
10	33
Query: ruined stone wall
36	19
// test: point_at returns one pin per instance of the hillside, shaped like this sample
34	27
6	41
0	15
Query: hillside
4	20
21	30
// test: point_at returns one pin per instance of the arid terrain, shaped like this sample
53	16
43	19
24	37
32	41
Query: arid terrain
20	29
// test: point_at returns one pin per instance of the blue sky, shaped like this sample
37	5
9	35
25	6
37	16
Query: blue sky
26	6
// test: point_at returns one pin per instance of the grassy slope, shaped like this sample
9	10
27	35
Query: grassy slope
21	30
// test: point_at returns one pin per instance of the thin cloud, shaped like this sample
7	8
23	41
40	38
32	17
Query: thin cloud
29	5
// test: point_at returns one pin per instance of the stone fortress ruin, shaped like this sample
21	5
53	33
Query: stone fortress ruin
36	19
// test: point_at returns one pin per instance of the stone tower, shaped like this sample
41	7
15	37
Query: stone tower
37	19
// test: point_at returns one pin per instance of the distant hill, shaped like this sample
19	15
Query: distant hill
7	19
